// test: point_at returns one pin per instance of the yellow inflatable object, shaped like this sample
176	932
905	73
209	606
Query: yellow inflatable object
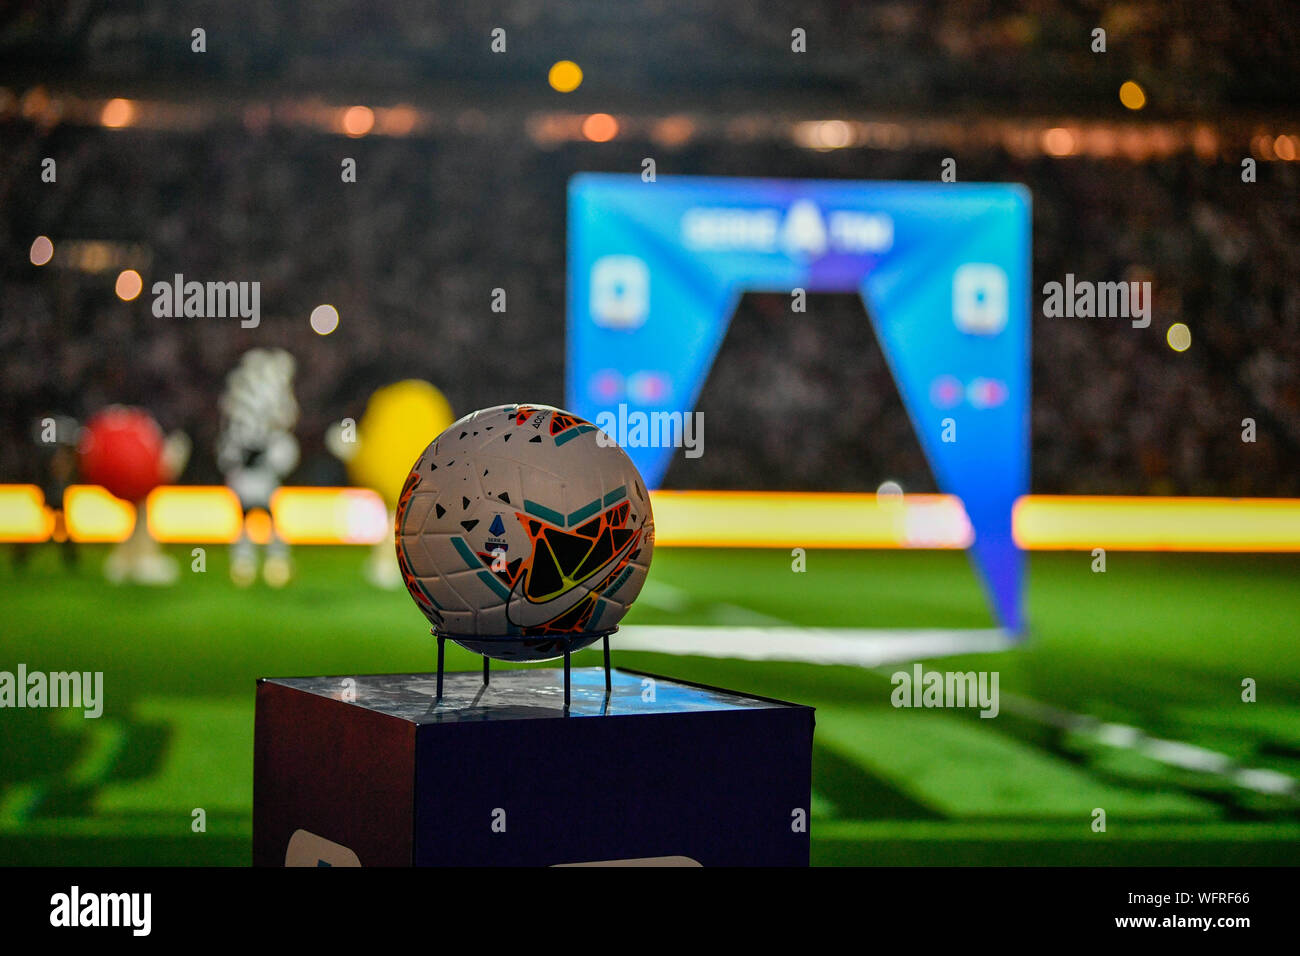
399	422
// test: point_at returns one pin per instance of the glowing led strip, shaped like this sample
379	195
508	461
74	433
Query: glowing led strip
194	513
706	519
1084	522
94	515
330	516
747	519
23	515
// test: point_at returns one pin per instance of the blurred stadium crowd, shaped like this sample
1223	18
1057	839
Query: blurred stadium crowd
411	252
915	54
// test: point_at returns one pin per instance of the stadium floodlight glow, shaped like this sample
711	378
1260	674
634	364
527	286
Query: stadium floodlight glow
944	272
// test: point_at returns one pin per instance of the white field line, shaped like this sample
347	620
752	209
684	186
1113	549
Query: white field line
861	647
1172	753
880	647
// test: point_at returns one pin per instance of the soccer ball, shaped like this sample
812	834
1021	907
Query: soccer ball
520	536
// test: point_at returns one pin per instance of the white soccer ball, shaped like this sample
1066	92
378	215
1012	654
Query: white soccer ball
519	534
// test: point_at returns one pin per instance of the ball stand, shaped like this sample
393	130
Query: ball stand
569	641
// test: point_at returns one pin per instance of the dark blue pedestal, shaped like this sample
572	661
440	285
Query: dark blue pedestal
376	770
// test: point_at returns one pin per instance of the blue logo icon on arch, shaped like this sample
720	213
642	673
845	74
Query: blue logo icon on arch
656	271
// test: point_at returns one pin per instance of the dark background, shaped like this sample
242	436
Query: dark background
232	174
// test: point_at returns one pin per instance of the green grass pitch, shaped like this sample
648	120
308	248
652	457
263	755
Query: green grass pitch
1126	697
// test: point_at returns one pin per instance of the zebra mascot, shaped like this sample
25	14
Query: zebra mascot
256	450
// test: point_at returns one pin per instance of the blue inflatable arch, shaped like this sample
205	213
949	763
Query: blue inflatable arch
656	271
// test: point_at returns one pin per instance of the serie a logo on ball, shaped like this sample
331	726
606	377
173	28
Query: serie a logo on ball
519	535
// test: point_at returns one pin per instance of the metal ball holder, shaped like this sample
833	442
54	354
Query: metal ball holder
568	641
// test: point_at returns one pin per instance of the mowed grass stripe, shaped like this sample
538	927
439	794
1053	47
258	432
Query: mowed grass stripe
207	761
1032	831
1032	843
964	768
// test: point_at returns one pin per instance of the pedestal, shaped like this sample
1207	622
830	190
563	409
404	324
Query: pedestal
377	771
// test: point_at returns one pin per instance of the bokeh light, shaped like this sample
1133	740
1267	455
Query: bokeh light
258	526
565	76
324	319
1262	146
1179	337
397	120
889	494
824	134
42	250
600	127
833	134
1132	95
129	285
117	113
673	131
358	120
1059	141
